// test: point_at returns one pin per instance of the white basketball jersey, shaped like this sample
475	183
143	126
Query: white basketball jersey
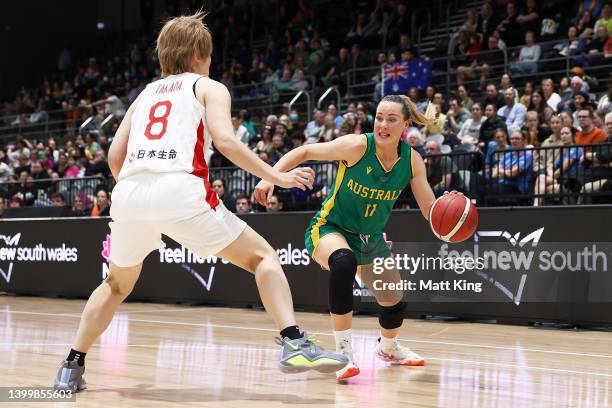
168	131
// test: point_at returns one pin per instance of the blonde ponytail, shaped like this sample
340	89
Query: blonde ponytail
411	111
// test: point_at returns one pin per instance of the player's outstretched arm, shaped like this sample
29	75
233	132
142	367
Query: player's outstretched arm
215	97
420	187
349	148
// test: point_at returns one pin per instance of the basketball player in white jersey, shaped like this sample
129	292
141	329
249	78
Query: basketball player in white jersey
157	157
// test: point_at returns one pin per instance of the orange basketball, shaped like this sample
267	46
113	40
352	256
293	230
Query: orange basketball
453	218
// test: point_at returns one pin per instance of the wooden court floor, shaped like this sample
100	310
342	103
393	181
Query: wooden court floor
157	355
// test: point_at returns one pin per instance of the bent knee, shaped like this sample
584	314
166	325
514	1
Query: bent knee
119	287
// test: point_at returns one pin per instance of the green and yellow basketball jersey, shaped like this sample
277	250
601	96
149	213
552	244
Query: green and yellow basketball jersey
363	195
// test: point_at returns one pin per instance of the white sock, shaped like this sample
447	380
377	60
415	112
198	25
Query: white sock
386	343
343	340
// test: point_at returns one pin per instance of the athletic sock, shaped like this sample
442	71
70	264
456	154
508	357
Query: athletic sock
292	332
386	343
77	356
343	340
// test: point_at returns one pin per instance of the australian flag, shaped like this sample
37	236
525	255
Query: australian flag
401	76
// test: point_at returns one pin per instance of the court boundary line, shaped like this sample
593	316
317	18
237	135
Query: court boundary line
221	326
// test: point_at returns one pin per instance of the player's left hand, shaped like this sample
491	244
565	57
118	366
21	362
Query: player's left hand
263	191
453	192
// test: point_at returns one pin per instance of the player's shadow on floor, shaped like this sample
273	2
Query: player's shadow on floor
146	392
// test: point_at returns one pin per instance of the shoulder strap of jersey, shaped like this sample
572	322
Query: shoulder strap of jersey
369	143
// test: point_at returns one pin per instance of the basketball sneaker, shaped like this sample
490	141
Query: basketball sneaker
398	354
351	368
305	354
70	377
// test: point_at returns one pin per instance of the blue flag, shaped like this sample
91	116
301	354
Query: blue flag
419	73
396	78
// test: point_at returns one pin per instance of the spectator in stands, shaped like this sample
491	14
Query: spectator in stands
599	170
533	131
405	44
464	98
435	126
29	190
594	50
527	92
493	97
356	32
470	130
278	149
494	150
510	28
458	52
265	144
604	105
605	19
513	172
348	125
376	78
487	21
98	166
245	120
58	200
243	205
274	204
537	104
364	124
38	173
5	169
15	202
81	205
529	19
588	134
552	98
219	186
240	131
514	113
333	110
573	46
528	57
72	170
482	64
415	139
112	105
564	170
357	60
440	168
314	129
329	129
2	207
297	139
581	100
101	207
544	158
585	26
577	85
455	118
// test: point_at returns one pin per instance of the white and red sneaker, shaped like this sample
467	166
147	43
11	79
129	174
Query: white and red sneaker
397	354
351	368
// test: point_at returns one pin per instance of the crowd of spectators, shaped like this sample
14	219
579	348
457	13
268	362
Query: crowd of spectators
499	119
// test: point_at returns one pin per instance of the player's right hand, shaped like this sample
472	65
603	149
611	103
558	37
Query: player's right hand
300	177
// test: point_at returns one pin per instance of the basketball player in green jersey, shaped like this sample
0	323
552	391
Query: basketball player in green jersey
347	232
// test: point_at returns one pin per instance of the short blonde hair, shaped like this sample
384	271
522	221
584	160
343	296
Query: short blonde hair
180	40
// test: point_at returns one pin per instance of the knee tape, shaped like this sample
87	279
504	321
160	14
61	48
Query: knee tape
342	269
391	317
